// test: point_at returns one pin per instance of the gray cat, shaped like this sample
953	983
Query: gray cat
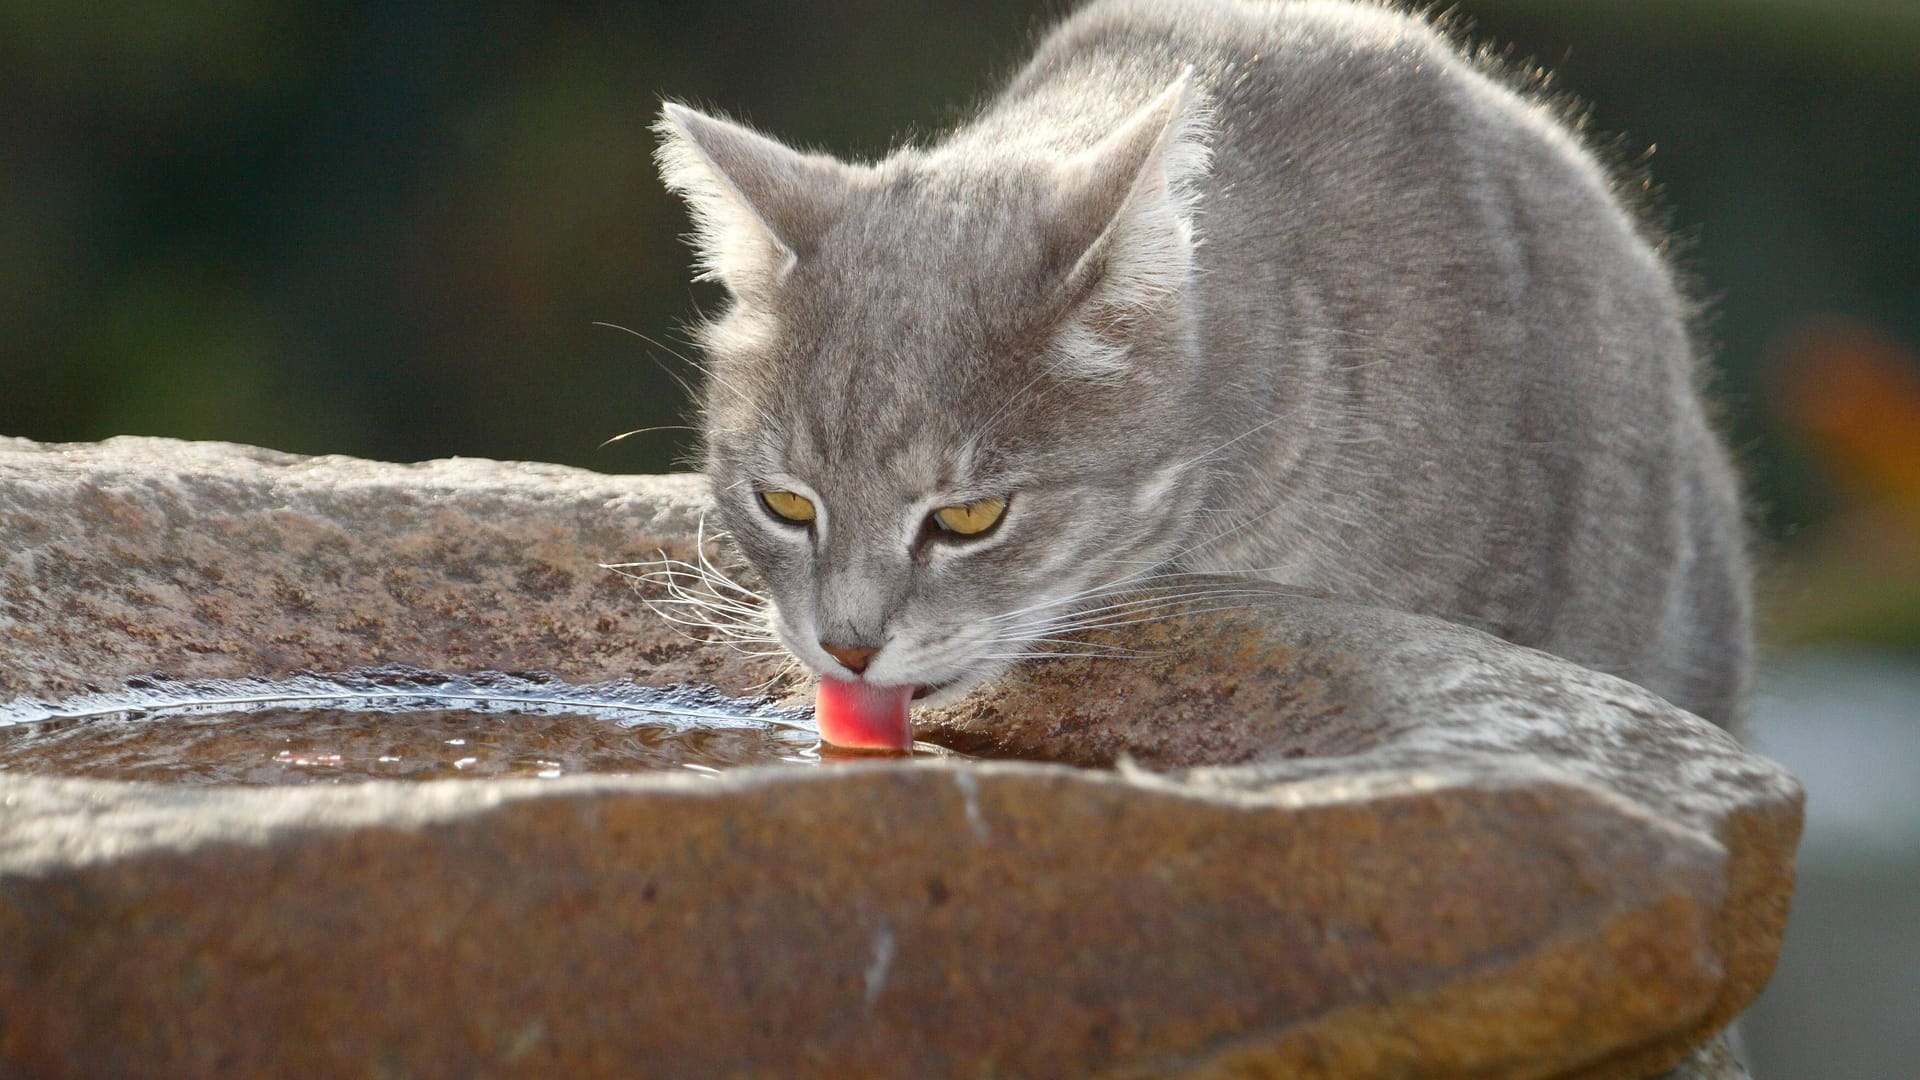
1294	290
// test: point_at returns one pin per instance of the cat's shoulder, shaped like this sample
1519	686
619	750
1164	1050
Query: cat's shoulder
1342	62
1350	28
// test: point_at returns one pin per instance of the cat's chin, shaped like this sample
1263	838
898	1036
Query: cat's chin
946	693
949	683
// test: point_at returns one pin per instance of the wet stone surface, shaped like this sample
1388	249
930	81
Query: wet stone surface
267	747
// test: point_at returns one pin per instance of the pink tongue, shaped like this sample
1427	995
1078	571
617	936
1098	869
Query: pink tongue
862	716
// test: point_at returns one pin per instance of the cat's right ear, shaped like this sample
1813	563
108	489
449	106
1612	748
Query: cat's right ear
1125	218
757	204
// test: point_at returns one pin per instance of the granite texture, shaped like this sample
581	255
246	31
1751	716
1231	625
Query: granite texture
1339	842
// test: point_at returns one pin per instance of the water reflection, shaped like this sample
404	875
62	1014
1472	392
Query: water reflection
398	724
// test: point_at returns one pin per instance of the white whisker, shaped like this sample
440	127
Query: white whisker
701	602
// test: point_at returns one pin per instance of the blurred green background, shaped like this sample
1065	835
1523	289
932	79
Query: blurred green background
389	230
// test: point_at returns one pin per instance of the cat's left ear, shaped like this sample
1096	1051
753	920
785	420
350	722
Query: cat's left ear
1125	225
758	205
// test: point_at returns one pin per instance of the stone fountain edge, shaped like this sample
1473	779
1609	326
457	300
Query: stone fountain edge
471	564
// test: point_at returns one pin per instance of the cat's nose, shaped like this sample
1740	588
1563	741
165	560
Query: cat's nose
852	657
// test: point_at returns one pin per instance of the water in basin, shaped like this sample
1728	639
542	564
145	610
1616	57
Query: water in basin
396	724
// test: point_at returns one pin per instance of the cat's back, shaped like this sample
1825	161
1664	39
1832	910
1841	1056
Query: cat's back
1335	125
1257	61
1303	30
1471	369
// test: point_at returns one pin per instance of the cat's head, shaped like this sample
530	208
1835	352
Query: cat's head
944	408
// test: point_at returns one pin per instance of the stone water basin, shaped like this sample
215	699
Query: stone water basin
1314	839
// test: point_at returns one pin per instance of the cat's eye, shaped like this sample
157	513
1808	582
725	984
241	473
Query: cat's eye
789	507
970	519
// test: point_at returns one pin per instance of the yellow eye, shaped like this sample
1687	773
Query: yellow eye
795	508
971	519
